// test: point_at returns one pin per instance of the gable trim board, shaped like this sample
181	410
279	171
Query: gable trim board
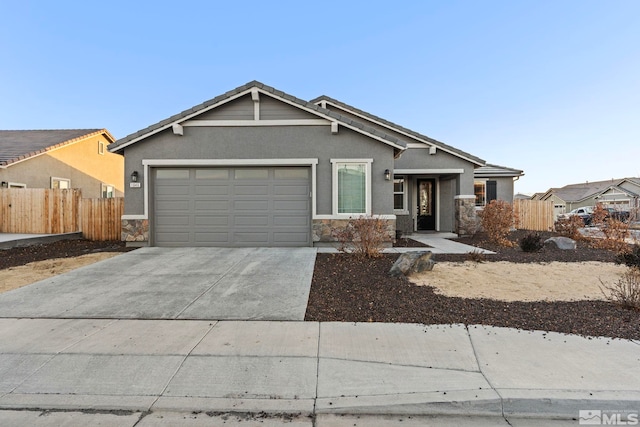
325	101
252	88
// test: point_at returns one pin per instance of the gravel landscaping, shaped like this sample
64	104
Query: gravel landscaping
347	289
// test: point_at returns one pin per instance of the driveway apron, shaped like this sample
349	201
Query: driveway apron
175	283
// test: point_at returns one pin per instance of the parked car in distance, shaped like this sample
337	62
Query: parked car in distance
619	215
584	212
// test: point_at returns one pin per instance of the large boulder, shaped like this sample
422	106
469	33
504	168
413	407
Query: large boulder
563	243
412	262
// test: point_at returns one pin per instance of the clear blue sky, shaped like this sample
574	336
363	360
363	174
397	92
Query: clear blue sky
551	87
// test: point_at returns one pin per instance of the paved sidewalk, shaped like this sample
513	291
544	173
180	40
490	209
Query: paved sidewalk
439	243
311	368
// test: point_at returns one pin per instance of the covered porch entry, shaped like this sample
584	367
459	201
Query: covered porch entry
424	201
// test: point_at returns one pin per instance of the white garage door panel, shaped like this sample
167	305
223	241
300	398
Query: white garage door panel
231	206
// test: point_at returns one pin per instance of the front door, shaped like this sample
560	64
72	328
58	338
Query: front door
426	204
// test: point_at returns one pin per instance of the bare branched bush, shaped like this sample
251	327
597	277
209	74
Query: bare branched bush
626	291
363	236
498	218
599	215
569	227
476	255
616	233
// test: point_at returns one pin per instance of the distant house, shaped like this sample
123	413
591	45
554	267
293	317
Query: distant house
620	194
69	158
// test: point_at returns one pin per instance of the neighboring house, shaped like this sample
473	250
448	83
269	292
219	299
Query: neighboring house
258	167
621	194
69	158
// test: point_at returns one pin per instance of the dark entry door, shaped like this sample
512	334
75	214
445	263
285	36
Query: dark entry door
426	204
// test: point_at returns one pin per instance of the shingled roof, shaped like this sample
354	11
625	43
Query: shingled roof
18	145
578	192
490	170
402	129
201	108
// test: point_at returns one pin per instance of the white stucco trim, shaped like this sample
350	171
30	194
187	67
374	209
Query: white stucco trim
242	123
353	216
426	171
148	163
334	186
465	196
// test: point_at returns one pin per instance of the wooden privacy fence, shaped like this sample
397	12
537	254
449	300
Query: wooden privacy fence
101	218
54	211
535	215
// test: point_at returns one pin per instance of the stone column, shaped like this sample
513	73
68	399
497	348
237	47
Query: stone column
466	217
135	232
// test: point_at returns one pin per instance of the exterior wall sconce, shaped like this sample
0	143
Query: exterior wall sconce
387	175
5	184
134	176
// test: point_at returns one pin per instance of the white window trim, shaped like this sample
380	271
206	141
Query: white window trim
101	147
149	163
56	178
16	185
483	182
102	186
405	209
334	186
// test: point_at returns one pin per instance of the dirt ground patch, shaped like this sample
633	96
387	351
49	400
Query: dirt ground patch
16	277
507	281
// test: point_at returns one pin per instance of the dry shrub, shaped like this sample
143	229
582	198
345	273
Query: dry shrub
630	258
626	291
568	227
363	236
476	255
599	215
615	234
532	242
497	220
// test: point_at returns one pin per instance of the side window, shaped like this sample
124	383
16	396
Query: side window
60	183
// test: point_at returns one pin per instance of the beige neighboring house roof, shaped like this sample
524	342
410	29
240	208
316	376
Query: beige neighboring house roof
19	145
576	192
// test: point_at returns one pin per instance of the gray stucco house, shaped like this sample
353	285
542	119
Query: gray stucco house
258	167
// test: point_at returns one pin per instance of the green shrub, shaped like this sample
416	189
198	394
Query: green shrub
532	242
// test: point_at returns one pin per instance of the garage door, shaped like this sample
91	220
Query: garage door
231	206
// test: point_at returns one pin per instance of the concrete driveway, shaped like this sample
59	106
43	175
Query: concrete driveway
175	283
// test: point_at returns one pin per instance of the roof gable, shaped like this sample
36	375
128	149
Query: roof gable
582	191
326	101
256	89
19	145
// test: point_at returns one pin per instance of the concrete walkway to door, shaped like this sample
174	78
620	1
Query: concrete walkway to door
175	283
